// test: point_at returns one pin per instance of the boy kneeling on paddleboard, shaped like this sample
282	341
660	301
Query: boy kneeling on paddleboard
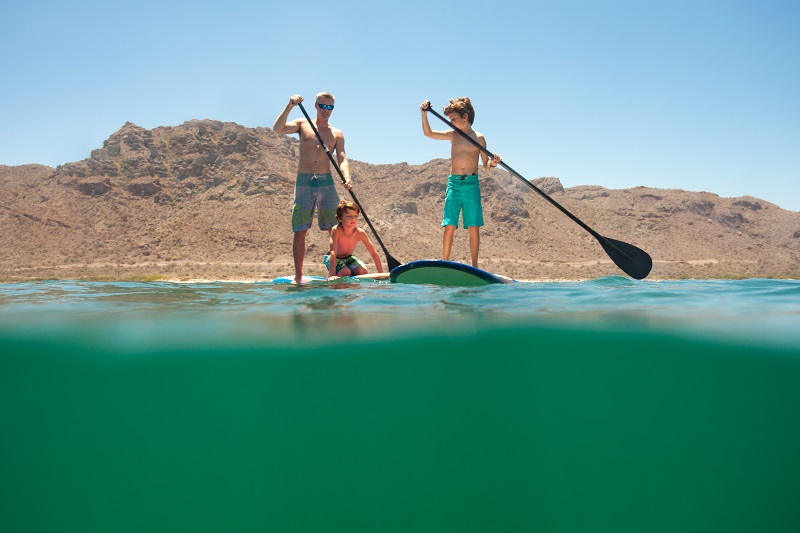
345	236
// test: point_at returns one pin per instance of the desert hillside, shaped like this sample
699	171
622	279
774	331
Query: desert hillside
213	200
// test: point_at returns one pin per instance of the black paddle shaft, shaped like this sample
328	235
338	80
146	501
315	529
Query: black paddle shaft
633	261
392	263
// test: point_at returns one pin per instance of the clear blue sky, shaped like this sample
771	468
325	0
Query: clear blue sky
702	95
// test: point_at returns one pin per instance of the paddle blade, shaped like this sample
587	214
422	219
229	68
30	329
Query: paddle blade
392	262
634	261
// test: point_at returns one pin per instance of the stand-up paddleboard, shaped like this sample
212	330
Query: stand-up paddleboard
316	279
448	273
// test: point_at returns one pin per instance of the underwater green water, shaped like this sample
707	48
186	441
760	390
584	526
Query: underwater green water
610	405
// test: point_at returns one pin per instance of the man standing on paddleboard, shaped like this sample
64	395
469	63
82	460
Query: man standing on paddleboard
314	188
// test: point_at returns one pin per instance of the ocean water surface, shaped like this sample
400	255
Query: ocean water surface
606	405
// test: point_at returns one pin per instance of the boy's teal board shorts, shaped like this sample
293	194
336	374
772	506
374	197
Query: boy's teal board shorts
463	196
314	191
350	262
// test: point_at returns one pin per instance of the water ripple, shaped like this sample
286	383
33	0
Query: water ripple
756	310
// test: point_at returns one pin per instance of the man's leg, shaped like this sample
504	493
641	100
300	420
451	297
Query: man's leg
299	254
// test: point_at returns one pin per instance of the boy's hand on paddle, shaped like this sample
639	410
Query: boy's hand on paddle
494	161
425	105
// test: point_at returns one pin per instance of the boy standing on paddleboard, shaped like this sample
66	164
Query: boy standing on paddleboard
345	236
314	188
463	190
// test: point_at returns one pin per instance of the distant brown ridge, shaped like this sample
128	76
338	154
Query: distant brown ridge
212	200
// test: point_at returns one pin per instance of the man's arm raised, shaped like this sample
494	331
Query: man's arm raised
281	126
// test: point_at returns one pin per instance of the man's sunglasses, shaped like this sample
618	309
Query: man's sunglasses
325	106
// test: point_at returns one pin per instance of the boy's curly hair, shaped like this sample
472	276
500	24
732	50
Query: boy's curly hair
462	106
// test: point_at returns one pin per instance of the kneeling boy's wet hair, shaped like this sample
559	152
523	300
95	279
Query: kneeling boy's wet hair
461	105
344	205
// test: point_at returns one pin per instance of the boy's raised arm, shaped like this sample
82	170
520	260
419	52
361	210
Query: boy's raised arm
426	127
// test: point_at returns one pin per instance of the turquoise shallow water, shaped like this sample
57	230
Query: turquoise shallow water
609	405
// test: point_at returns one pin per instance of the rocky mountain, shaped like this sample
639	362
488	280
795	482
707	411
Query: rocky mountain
208	199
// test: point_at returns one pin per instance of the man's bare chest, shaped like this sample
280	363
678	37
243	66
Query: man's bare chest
309	139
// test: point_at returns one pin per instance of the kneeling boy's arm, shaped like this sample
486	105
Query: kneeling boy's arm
334	241
374	253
